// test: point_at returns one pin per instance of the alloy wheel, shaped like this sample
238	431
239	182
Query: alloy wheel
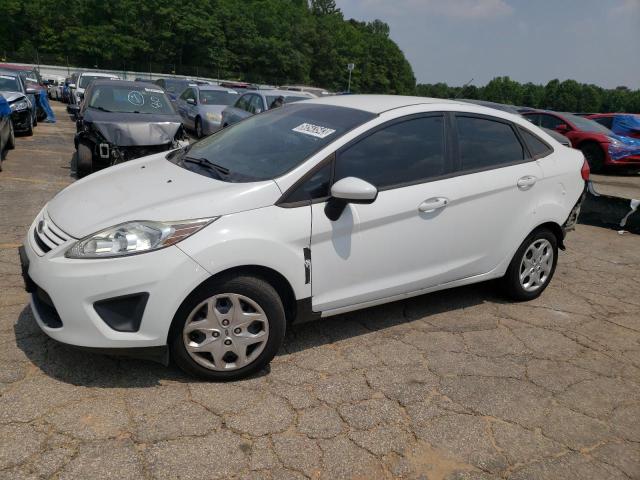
226	332
536	265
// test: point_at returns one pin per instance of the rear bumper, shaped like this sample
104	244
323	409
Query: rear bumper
570	224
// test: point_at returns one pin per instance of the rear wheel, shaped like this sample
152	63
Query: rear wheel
228	329
594	155
84	163
532	267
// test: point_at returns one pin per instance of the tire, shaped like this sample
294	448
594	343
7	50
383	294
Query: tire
84	162
199	128
11	143
594	155
524	280
29	131
243	294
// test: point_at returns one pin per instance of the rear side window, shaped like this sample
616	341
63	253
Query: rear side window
536	146
486	143
402	153
551	122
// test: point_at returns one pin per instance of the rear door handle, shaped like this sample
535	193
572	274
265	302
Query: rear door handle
526	182
433	204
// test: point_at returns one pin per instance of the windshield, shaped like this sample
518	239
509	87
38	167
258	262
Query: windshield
218	97
586	124
9	83
173	86
130	99
85	80
268	145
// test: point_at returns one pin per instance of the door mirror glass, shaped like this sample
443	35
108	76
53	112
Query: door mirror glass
354	190
562	128
72	85
191	101
31	91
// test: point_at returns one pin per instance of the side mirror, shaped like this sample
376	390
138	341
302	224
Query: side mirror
562	128
71	85
349	190
258	110
191	101
81	95
31	91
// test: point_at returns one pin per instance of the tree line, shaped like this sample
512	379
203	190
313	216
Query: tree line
262	41
271	41
565	96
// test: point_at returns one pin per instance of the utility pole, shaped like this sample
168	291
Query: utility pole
350	67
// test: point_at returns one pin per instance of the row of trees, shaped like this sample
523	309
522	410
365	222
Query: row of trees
566	96
273	41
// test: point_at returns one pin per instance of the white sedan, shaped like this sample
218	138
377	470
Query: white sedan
208	253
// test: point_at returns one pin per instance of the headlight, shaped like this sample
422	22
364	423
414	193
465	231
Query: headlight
615	142
21	105
214	117
135	237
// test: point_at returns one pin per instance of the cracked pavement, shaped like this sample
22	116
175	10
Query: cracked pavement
456	385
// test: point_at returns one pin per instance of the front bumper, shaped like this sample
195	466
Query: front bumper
210	127
21	120
69	289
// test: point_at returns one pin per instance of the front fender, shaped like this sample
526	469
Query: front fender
270	237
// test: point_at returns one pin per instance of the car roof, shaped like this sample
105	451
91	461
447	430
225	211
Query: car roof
121	83
215	87
281	93
380	103
9	73
99	74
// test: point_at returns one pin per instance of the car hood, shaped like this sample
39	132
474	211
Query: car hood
133	129
12	96
151	188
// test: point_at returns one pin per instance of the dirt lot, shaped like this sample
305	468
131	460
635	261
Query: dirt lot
453	385
626	186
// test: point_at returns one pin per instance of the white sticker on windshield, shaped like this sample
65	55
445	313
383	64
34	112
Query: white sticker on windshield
153	90
314	130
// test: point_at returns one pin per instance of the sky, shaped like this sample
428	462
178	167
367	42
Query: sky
453	41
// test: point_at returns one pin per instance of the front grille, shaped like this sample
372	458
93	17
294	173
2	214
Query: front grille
47	236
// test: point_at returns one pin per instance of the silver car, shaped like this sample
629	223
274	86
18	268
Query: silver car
257	101
201	106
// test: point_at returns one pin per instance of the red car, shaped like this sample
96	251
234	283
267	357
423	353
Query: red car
627	124
600	146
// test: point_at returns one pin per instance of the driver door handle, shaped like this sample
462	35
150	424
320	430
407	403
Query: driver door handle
433	204
526	182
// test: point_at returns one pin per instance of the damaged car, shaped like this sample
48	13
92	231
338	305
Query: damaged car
23	111
121	120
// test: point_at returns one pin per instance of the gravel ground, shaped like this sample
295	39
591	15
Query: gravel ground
453	385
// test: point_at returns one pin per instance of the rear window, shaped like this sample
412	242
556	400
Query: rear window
487	143
536	146
218	97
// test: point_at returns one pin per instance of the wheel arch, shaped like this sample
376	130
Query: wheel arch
556	229
271	276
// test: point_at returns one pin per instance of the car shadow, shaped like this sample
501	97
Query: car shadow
82	368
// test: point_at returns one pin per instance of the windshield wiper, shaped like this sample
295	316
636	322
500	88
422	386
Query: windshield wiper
102	109
205	162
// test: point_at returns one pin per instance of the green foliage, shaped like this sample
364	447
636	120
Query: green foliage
271	41
566	96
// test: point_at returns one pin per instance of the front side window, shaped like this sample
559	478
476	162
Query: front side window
188	93
605	121
255	104
243	103
551	122
410	151
485	143
266	146
315	187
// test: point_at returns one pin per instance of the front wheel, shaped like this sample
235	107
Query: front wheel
532	267
84	160
199	133
11	143
228	329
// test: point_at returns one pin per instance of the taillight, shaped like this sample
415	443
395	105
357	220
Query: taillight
585	170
